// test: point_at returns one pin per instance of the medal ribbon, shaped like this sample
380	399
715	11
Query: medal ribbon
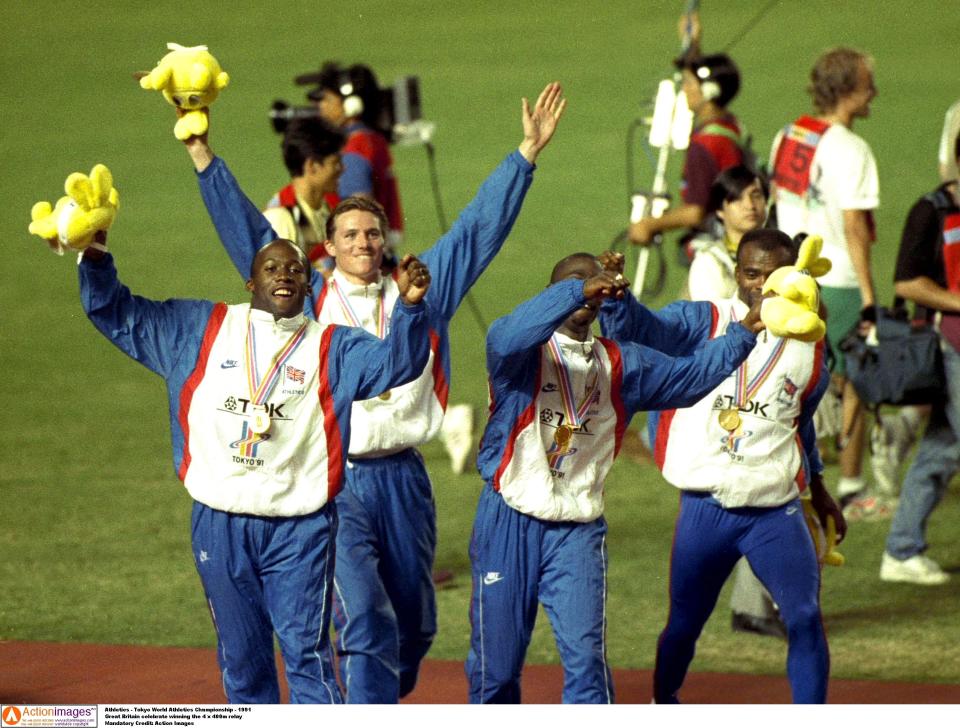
745	389
573	413
260	390
351	315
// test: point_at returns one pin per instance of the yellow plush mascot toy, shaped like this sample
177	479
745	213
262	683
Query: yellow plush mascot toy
191	80
793	312
89	207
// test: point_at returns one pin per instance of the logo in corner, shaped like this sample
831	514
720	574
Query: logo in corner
11	715
492	577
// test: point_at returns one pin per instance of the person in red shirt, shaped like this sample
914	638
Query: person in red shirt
350	99
717	141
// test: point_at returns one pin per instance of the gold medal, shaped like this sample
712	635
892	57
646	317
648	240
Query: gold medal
563	435
384	395
260	421
729	419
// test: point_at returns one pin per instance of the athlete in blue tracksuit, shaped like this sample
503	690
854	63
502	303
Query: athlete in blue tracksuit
741	456
260	402
385	608
560	403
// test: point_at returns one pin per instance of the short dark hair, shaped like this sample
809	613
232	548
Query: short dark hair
311	138
730	184
559	269
357	202
717	68
768	239
300	254
834	75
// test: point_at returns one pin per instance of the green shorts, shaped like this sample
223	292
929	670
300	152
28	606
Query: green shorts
843	313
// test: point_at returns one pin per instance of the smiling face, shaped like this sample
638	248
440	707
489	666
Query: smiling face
279	279
357	245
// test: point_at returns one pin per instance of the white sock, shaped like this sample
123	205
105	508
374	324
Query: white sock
849	486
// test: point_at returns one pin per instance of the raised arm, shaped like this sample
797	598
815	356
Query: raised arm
154	333
532	323
240	225
461	255
677	329
653	380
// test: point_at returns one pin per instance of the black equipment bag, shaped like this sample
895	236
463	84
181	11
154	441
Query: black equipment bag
904	366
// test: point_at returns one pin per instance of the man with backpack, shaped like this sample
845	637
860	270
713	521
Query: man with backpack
928	273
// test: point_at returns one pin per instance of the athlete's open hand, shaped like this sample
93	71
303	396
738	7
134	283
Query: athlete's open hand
413	280
540	123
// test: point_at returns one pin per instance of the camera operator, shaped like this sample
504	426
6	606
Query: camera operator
350	99
717	141
299	211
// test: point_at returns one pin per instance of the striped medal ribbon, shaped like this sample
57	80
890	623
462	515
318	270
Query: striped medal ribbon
260	388
351	315
746	388
573	413
379	314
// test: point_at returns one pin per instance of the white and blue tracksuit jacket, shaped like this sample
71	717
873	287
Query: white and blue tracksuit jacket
198	348
539	532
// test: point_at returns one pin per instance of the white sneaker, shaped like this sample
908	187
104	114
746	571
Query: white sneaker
457	435
890	441
915	570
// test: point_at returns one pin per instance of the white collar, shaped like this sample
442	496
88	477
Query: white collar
356	289
584	348
261	318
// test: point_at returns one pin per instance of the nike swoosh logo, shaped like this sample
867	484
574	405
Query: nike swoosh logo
230	364
491	579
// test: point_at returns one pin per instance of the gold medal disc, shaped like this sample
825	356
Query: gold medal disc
563	435
260	422
729	419
384	395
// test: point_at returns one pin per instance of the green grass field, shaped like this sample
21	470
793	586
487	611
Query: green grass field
94	542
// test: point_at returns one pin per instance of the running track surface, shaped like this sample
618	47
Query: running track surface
43	672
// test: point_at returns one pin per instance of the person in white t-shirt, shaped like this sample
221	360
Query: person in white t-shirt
824	182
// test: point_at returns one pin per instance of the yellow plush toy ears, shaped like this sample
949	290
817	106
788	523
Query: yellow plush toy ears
89	207
808	258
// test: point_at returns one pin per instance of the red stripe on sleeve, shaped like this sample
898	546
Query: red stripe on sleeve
817	369
193	381
616	383
321	297
331	426
714	320
525	418
441	387
662	437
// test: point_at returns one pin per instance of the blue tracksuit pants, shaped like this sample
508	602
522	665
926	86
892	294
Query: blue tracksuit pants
517	560
708	541
263	576
385	610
